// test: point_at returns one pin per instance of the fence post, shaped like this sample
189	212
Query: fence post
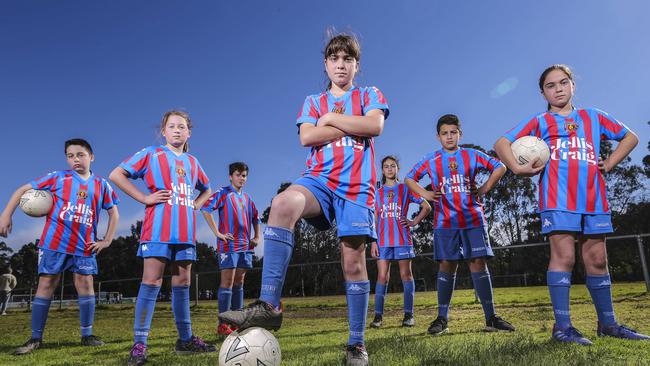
31	295
62	284
196	289
644	265
525	280
99	292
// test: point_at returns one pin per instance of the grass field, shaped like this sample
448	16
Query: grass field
315	330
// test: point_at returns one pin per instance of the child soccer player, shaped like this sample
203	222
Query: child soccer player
573	197
339	184
460	232
171	174
69	239
394	232
237	216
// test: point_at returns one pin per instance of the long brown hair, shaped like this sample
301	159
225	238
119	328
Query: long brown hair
388	157
542	78
182	114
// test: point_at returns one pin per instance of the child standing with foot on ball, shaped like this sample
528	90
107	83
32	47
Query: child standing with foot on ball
338	185
460	231
573	197
171	175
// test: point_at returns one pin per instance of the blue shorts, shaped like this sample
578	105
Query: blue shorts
236	260
571	221
171	252
461	244
351	219
396	253
52	262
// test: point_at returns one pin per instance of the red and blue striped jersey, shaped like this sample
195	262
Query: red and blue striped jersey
346	166
454	174
71	224
391	208
237	215
173	221
571	180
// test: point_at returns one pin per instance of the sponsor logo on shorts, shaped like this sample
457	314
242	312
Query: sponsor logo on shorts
86	268
145	247
360	224
479	249
602	224
223	257
547	222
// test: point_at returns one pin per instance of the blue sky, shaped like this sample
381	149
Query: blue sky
106	71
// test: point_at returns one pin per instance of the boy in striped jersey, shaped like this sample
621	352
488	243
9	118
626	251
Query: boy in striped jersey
69	239
460	232
238	218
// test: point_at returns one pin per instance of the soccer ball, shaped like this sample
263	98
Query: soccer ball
531	148
36	203
250	347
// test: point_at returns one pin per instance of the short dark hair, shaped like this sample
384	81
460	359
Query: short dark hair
448	119
79	142
238	166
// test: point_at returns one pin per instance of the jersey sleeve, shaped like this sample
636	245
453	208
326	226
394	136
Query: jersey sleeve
373	98
528	127
414	197
110	198
488	162
46	182
215	201
138	164
610	127
255	217
308	113
419	170
202	180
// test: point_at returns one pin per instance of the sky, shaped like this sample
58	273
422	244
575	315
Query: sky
106	71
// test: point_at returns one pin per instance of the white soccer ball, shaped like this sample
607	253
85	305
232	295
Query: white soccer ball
531	148
36	203
250	347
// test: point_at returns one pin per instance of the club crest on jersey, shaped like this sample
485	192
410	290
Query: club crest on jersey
339	107
391	195
453	165
180	172
82	195
570	125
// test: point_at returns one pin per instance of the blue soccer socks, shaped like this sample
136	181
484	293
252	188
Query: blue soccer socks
145	305
446	282
40	308
86	314
380	295
559	286
278	247
237	302
600	288
409	296
483	286
181	310
357	294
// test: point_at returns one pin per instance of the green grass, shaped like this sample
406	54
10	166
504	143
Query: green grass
315	330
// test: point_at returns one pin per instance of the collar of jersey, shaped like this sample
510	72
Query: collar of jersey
168	150
342	96
78	177
573	111
444	152
234	190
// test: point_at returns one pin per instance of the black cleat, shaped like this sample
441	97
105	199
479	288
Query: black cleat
408	320
356	355
138	355
376	323
194	345
92	341
258	314
29	346
438	326
496	324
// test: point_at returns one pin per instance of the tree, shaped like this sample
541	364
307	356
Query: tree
5	254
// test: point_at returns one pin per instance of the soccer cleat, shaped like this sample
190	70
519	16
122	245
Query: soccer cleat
258	314
438	326
92	341
356	355
496	323
570	335
194	345
376	323
224	329
138	355
29	346
408	320
620	331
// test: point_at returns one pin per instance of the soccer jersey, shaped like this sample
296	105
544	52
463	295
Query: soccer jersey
345	166
391	207
237	215
173	221
72	221
454	174
571	180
